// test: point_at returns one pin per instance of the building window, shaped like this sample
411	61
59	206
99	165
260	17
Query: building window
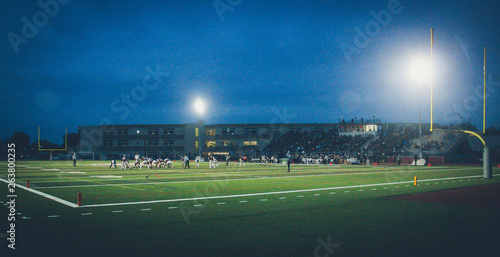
228	131
250	143
122	131
168	131
168	142
196	144
211	144
153	143
122	142
210	132
227	143
153	131
250	131
107	132
196	132
107	142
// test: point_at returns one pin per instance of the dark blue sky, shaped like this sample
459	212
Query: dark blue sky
144	62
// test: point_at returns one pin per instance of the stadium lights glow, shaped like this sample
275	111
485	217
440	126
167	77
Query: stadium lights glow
199	106
420	70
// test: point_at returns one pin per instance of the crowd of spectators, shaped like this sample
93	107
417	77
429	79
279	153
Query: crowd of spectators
394	139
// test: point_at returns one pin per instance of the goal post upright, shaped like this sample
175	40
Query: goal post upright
486	152
432	73
484	93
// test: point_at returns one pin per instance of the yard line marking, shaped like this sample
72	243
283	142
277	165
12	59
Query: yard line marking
221	203
396	187
26	218
347	191
87	213
386	188
243	201
300	196
197	205
145	209
407	186
117	211
332	193
263	200
282	198
317	194
174	207
268	193
374	189
59	200
361	190
53	216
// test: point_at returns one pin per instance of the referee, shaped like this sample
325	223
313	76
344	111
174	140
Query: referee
186	161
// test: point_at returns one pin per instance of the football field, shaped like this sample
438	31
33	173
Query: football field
315	210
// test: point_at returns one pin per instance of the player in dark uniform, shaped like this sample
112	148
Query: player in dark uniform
113	164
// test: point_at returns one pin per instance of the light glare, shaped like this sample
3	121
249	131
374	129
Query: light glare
199	106
420	70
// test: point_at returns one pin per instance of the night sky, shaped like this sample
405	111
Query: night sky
144	62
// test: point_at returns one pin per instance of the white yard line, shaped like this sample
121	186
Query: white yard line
51	197
269	193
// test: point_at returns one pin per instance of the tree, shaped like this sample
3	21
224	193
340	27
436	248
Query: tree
22	141
73	139
45	144
3	149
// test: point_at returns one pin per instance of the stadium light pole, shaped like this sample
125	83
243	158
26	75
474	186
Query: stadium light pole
200	108
419	73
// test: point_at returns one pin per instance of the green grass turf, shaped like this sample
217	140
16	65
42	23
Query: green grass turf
359	220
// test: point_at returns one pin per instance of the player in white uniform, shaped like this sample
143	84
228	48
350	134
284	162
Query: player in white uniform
136	163
214	162
124	162
168	163
242	161
197	161
210	161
